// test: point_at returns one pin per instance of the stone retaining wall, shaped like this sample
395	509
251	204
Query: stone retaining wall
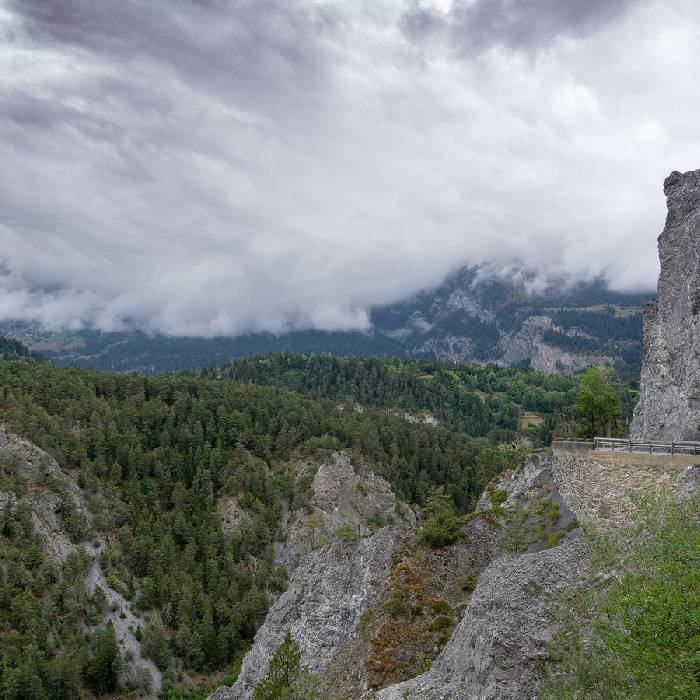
597	485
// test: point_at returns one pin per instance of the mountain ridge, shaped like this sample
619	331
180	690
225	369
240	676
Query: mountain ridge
558	327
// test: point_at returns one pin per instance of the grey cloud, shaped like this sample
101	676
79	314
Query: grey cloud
219	167
268	51
520	24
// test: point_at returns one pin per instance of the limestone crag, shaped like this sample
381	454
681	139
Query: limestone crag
232	517
322	606
552	360
342	495
497	650
338	550
341	603
669	402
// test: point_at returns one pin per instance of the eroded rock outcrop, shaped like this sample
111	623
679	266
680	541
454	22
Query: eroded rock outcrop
346	496
669	402
497	650
339	550
372	614
322	606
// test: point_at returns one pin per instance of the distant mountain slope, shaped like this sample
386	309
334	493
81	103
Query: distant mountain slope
469	318
558	328
11	349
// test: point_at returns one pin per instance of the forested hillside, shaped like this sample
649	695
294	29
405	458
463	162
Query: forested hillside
154	456
480	401
11	349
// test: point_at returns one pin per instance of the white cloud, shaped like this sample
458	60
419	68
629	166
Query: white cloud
199	170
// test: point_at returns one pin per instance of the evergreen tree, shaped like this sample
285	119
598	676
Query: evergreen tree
286	678
105	664
597	403
155	643
441	527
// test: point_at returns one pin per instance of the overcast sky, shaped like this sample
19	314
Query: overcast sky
217	166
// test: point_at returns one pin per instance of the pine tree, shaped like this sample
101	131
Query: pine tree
287	678
105	663
597	402
441	527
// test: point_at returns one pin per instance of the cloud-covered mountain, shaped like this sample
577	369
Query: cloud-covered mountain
471	317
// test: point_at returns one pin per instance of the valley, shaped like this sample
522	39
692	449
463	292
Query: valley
166	496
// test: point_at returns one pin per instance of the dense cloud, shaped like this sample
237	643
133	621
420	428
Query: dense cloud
218	166
518	24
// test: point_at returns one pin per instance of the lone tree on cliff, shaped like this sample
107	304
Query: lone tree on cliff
598	405
441	527
287	678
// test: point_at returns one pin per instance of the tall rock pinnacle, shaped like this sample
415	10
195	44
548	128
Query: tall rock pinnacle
669	402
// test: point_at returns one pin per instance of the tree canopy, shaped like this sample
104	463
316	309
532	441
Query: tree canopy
598	405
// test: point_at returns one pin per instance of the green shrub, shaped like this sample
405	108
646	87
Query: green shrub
441	607
467	582
515	538
647	624
396	605
554	538
441	527
499	497
347	532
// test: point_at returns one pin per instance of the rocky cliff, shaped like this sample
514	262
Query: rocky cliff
339	550
385	617
669	404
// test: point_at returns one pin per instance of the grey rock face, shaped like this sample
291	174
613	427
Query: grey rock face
332	581
669	403
233	518
322	606
552	360
342	495
497	648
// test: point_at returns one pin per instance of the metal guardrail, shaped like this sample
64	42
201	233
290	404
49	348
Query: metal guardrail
605	444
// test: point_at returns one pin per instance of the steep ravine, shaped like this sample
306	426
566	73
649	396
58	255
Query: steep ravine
386	617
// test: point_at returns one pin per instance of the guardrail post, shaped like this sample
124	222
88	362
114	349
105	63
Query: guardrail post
671	446
630	444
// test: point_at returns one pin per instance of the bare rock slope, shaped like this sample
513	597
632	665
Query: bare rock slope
339	602
497	650
669	404
322	606
335	578
364	612
344	495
